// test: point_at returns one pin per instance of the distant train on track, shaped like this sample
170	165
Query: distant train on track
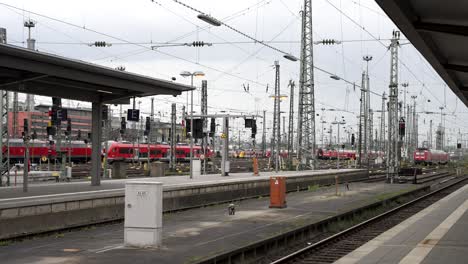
117	151
430	156
345	154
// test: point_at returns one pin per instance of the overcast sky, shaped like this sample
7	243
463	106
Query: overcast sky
229	66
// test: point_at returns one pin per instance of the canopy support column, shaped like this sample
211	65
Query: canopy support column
96	132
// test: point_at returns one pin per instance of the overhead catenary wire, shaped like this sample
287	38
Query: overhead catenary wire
232	28
136	44
374	37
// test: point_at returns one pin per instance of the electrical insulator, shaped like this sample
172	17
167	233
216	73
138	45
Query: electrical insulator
101	44
198	44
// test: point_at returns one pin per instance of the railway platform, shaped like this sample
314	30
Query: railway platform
53	188
53	207
437	234
192	235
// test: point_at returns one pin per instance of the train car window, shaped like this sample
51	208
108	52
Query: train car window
125	151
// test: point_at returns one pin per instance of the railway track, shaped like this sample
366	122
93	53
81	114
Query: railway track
332	248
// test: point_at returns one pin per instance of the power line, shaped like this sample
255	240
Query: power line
234	29
136	44
370	34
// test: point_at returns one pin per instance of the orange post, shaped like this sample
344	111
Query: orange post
277	192
255	166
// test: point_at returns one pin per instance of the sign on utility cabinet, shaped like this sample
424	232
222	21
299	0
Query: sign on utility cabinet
143	214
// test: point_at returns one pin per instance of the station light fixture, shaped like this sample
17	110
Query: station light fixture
290	57
210	20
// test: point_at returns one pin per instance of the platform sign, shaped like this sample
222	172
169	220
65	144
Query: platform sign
133	115
62	114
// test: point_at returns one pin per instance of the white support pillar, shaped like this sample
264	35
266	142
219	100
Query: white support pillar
96	132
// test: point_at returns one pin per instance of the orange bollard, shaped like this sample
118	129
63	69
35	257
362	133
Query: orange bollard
255	166
277	192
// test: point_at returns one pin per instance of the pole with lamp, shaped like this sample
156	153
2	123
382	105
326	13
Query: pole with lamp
338	123
191	75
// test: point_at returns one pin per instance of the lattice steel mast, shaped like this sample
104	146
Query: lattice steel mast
4	141
382	124
276	118
306	108
291	121
393	149
362	145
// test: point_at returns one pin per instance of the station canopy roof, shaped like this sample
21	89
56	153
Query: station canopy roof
439	31
39	73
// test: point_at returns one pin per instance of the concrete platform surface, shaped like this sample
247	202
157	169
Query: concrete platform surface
118	184
437	234
194	234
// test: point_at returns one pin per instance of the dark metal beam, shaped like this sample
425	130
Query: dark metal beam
442	28
52	90
455	67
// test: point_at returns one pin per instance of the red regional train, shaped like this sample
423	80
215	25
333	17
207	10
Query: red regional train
430	156
81	152
126	151
333	154
39	149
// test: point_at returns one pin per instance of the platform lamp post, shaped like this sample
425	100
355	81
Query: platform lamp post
338	123
191	75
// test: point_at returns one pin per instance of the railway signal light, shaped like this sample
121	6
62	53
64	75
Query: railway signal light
105	112
123	125
402	127
248	122
254	129
187	127
26	126
148	124
78	136
51	131
34	134
212	127
197	128
69	128
56	101
353	139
